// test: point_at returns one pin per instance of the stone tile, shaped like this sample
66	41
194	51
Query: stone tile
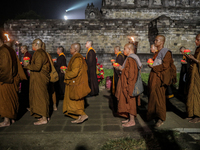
33	128
59	117
57	122
111	128
53	128
23	122
72	128
15	129
109	121
94	116
93	121
92	128
108	116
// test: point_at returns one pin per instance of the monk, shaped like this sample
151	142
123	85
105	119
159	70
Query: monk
61	61
91	62
25	83
11	72
39	80
162	73
77	87
120	60
126	102
193	98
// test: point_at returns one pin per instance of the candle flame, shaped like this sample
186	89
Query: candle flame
17	42
8	39
133	39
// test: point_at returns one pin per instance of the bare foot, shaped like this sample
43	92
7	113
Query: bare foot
129	124
4	124
41	119
188	118
75	121
54	107
40	122
159	123
13	121
125	121
83	118
195	120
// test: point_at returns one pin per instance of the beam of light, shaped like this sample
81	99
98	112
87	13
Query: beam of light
65	17
8	39
82	4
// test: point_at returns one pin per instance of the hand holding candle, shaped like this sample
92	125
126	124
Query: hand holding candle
150	61
26	59
187	51
112	60
63	69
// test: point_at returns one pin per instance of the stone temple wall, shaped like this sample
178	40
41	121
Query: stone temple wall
106	34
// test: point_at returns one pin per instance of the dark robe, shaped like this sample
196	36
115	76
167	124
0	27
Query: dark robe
92	75
60	85
157	86
193	98
11	72
127	103
120	60
25	83
39	81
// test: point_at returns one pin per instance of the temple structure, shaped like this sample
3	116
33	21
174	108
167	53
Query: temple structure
114	24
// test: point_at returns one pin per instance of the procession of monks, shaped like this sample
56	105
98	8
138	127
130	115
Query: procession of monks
79	80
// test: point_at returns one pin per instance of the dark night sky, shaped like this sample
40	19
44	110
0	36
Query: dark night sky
49	9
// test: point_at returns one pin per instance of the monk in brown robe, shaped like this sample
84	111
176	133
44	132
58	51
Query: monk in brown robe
39	80
11	72
160	77
92	75
127	105
193	98
77	87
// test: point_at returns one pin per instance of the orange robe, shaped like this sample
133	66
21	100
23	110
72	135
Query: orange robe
77	74
9	67
157	87
193	98
127	103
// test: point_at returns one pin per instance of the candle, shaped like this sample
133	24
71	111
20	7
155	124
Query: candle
116	65
150	61
187	51
112	60
26	59
63	68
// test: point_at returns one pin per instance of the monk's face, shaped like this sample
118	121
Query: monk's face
116	51
58	51
72	49
23	50
182	50
34	46
126	51
197	41
87	45
158	41
153	49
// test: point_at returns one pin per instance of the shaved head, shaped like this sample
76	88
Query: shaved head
162	38
198	36
130	46
77	47
197	41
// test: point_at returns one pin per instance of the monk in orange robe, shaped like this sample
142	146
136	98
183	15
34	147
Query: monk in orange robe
193	98
77	86
11	72
39	81
127	105
162	73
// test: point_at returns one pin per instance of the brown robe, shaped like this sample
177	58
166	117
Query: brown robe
77	71
127	103
193	99
9	87
39	80
158	81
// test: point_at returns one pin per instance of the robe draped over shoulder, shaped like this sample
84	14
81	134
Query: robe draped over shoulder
77	71
39	81
159	78
127	103
193	98
92	76
9	87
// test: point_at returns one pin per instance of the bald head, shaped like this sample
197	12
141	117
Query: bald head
162	38
197	41
130	46
129	49
159	42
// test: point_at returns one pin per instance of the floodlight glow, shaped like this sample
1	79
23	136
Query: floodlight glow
65	17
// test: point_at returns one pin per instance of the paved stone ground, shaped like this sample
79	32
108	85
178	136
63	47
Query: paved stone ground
101	126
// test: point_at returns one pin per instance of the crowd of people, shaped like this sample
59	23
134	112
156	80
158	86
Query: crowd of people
41	86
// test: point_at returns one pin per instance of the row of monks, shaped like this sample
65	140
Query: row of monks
80	80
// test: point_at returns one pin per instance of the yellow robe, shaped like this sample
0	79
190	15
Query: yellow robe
75	108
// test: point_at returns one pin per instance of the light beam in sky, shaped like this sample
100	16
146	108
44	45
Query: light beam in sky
65	17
